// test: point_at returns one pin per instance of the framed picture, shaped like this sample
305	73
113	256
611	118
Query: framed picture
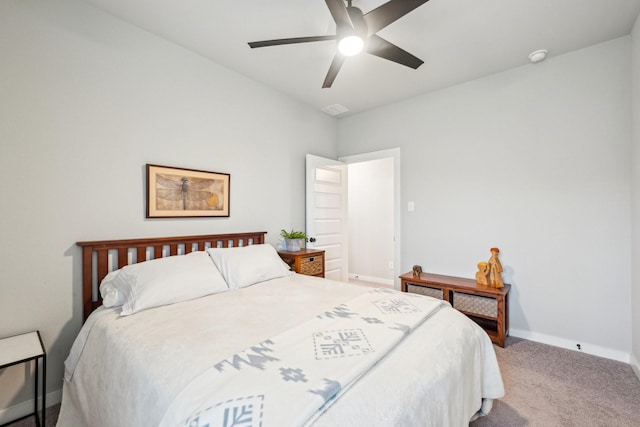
176	192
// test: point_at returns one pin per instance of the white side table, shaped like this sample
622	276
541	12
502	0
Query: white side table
25	348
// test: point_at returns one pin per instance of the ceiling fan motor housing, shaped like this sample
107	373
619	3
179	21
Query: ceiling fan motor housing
359	26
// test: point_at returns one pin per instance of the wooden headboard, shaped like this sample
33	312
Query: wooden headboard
96	256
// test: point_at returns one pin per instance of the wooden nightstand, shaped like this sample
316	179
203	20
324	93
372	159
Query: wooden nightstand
305	261
22	349
487	306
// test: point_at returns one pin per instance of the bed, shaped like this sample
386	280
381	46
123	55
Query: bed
215	330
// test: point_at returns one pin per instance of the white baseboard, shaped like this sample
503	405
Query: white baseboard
386	282
635	365
585	347
24	408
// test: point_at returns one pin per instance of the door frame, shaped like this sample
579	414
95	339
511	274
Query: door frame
385	154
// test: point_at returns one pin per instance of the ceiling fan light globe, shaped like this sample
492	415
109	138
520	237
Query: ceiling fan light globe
350	45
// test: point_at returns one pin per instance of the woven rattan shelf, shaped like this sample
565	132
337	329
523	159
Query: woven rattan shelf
487	306
305	261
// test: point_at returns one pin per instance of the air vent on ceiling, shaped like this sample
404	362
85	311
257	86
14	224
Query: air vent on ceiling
335	109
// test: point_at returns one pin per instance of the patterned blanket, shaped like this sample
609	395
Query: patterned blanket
293	377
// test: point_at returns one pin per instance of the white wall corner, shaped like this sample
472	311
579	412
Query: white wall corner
635	207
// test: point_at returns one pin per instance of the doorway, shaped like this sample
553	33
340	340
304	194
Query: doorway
374	216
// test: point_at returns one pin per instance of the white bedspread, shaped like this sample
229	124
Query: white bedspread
131	369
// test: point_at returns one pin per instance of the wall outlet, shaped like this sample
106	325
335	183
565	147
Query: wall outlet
390	265
411	206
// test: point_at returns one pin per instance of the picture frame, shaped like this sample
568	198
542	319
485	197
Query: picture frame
174	192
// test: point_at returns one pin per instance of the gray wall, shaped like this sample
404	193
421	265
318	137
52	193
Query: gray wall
85	101
535	161
635	159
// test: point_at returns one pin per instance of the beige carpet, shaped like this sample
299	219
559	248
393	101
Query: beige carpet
550	386
547	387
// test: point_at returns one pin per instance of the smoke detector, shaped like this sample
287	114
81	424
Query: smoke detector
538	55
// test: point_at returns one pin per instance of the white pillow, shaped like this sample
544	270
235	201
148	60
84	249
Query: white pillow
111	290
163	281
246	265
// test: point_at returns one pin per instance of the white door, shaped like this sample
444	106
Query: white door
326	213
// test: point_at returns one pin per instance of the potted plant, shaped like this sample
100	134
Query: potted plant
293	239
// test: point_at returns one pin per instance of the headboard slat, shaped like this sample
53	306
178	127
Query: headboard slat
103	262
95	256
87	277
173	249
123	257
141	253
157	251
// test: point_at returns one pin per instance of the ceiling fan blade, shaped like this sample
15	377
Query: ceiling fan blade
389	12
339	13
293	40
384	49
336	64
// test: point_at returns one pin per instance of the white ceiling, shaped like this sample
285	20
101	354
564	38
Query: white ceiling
458	40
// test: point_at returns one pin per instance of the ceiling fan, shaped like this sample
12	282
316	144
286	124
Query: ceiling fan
356	31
